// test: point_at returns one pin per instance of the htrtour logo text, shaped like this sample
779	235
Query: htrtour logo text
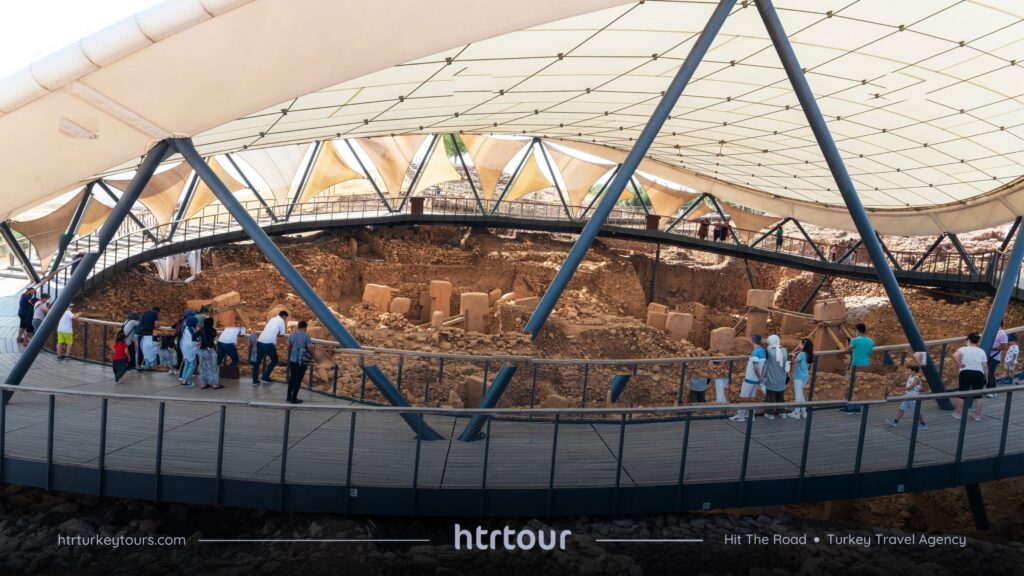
509	539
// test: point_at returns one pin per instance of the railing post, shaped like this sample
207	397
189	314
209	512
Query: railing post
743	462
803	455
680	482
618	464
50	408
158	464
483	478
551	474
860	448
219	473
282	480
101	458
682	382
348	461
583	392
814	378
913	444
964	417
533	388
1002	436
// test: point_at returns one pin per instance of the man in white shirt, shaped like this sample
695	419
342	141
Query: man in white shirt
266	347
66	332
995	356
227	344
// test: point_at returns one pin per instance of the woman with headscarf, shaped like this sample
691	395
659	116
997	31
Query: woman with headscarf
209	371
189	350
775	375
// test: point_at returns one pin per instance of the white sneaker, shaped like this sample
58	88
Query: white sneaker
770	416
738	418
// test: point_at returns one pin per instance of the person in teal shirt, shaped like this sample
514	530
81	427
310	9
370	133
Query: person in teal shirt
860	357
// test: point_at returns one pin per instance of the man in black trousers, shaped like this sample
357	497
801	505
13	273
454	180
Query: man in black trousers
300	351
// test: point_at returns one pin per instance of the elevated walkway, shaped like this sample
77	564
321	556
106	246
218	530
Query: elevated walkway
137	246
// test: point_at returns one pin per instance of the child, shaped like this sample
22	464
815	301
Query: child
166	356
120	361
1010	356
913	388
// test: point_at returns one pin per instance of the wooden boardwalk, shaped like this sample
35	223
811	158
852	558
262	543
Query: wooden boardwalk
384	454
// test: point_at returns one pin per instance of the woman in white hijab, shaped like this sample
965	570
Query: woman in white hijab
775	375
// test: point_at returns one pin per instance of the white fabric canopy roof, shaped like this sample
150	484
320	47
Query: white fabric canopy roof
921	95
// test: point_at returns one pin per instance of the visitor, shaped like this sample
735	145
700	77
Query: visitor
834	253
132	338
1010	356
974	366
995	356
120	360
859	349
25	315
179	326
66	332
803	357
698	390
147	324
776	371
911	388
752	378
209	369
779	238
702	230
227	344
300	353
39	310
254	347
266	347
167	356
189	350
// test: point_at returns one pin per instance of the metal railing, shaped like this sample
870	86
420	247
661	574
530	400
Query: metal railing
429	378
368	209
484	464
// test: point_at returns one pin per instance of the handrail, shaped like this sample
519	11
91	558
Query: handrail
379	350
361	407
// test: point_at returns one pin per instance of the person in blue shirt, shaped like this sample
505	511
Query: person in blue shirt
803	357
860	357
753	378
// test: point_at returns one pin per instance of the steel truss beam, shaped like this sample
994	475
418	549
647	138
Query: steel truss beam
1004	290
19	254
636	192
735	238
846	188
76	222
305	178
74	284
599	192
928	252
248	184
611	195
131	216
416	175
465	170
693	206
554	179
380	194
888	254
770	230
964	256
515	174
817	249
190	191
302	288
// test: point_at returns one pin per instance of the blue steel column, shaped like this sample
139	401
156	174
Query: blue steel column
291	275
848	191
77	280
629	166
611	196
1007	284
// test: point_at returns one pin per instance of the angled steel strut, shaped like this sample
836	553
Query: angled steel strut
606	204
847	189
77	279
291	275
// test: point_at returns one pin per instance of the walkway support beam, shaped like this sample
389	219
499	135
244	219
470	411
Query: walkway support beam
1004	290
19	254
629	166
853	203
142	225
298	283
74	284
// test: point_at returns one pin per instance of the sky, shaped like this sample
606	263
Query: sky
30	29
